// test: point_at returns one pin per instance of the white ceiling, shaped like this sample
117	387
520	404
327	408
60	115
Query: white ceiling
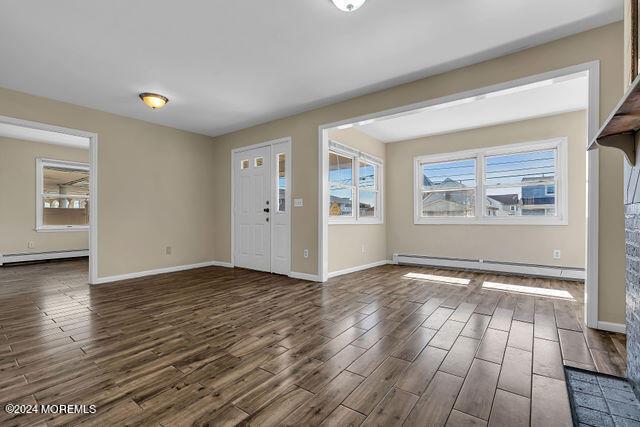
226	65
37	135
570	93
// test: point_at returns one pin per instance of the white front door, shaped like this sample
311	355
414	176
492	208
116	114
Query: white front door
262	208
252	197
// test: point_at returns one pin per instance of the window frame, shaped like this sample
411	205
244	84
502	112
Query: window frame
420	189
561	179
357	157
41	163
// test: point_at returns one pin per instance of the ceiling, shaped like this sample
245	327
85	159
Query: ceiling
545	98
226	65
8	130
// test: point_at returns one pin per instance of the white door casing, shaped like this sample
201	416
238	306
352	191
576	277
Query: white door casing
252	181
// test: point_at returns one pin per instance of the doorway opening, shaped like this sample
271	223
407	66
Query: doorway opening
261	206
50	194
535	181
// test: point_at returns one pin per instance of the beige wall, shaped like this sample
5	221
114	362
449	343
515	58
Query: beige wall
18	193
346	240
156	185
509	243
603	44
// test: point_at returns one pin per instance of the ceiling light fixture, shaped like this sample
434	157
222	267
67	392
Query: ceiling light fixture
154	100
348	5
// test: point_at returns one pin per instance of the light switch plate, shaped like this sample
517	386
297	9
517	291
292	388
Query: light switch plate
297	203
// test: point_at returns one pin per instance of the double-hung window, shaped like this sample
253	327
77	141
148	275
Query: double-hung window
368	189
512	184
62	195
524	181
355	194
448	188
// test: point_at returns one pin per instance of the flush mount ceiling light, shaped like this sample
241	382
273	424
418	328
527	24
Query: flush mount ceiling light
154	100
348	5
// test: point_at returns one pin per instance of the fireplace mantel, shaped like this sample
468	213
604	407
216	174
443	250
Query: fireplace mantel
620	130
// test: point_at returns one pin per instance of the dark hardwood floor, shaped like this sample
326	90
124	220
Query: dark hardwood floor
225	346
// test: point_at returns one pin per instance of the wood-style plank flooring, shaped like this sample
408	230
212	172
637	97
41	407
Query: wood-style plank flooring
222	346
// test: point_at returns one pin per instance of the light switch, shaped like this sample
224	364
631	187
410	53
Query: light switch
297	203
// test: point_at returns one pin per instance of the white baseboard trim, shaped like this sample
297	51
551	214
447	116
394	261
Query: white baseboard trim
305	276
222	264
9	258
137	274
359	268
503	267
612	327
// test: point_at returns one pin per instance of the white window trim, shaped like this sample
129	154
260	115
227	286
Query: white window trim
357	157
562	175
40	164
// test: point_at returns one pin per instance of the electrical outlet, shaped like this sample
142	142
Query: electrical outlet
31	245
167	250
364	248
305	253
297	203
556	254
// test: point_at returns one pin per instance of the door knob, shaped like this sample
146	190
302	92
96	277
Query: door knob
266	210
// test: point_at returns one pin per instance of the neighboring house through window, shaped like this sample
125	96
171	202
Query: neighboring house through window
449	188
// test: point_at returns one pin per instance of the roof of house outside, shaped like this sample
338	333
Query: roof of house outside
542	179
505	199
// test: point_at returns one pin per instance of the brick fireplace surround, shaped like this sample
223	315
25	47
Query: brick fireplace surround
632	238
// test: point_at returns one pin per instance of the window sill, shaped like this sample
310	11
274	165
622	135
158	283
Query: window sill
62	229
488	221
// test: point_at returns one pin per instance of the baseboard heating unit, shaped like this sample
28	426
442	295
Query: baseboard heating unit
567	273
41	256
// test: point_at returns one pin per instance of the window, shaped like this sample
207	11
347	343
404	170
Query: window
63	195
368	192
341	188
354	180
282	182
448	189
519	183
522	180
